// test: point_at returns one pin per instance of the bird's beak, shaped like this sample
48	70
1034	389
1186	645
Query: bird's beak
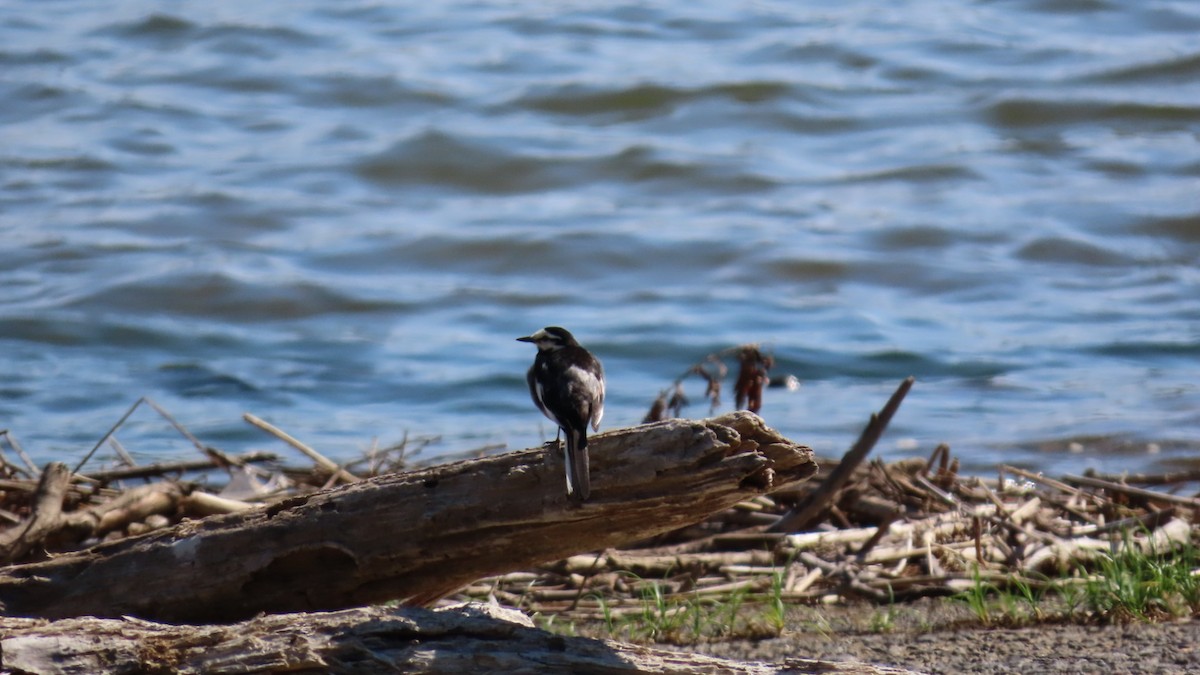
527	338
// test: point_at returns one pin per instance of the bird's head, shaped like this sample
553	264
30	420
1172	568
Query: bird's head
551	338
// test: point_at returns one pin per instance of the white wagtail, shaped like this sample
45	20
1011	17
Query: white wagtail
567	384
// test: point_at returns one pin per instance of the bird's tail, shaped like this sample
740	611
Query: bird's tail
579	485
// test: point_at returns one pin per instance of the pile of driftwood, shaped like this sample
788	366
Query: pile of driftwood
691	508
296	555
889	532
883	532
413	535
56	509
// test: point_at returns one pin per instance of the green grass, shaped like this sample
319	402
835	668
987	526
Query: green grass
552	623
1132	585
885	622
1129	585
978	598
775	612
692	617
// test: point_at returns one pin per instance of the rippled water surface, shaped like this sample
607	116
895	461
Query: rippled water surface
338	216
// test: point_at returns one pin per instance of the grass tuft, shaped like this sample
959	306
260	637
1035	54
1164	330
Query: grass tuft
1145	586
686	618
1130	584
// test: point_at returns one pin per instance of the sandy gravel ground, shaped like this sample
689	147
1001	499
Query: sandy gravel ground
937	637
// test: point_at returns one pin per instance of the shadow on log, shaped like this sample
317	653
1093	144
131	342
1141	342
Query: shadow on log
451	640
415	536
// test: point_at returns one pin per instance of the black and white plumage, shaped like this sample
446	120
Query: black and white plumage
567	384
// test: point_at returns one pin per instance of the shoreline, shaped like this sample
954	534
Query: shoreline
933	636
943	635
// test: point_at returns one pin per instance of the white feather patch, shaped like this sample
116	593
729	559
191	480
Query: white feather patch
593	387
570	464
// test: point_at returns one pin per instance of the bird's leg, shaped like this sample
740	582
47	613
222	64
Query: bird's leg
557	441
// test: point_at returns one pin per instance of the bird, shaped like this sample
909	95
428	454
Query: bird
567	384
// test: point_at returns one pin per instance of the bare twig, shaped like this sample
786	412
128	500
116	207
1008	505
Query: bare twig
16	446
804	514
158	409
1140	493
151	470
321	460
108	433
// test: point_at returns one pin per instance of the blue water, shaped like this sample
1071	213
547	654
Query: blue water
337	216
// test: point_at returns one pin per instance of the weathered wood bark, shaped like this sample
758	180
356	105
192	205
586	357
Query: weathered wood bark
47	508
414	536
453	640
48	521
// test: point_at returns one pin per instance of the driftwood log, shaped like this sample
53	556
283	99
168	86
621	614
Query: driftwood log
461	639
414	536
